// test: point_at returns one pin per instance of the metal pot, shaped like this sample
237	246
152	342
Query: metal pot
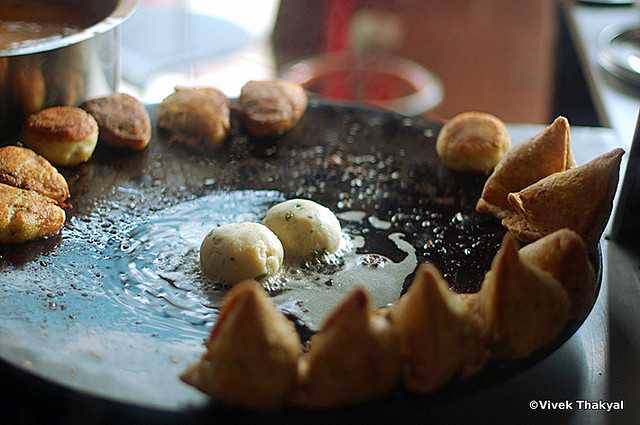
66	70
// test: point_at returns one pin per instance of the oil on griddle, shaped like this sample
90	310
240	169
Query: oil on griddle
349	159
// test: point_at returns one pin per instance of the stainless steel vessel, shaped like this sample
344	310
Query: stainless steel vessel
65	70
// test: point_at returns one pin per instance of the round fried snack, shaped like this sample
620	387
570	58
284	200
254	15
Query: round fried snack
271	108
26	215
354	357
122	119
25	169
65	135
252	353
473	141
196	117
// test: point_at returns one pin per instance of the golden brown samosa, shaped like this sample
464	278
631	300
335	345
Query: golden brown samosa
252	353
441	340
564	255
545	154
523	308
353	358
579	199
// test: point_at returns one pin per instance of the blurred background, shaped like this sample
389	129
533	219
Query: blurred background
524	61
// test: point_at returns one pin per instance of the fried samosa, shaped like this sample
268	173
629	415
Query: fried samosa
564	255
252	353
440	338
579	199
354	357
523	308
545	154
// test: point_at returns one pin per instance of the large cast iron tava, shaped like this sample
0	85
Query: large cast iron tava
109	313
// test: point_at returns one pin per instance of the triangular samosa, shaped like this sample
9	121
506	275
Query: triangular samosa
440	338
523	308
579	199
353	358
252	353
564	255
545	154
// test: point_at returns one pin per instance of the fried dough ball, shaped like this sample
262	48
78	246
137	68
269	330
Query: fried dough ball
271	108
252	353
65	135
26	215
122	120
25	169
304	227
196	117
473	141
235	252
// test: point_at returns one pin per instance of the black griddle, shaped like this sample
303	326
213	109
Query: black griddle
346	157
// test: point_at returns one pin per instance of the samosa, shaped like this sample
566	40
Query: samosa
354	357
565	256
441	340
545	154
252	353
579	199
522	307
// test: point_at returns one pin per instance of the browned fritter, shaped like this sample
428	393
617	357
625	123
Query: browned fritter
271	108
197	117
25	169
61	123
122	119
26	215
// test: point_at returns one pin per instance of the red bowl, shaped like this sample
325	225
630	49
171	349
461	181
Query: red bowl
389	82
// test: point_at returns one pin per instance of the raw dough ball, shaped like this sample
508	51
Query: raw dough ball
235	252
473	141
304	227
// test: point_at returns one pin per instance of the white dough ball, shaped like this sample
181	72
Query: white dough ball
304	227
235	252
